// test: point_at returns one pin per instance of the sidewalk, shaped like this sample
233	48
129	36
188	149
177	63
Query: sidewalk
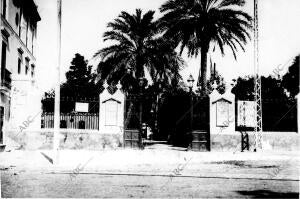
261	165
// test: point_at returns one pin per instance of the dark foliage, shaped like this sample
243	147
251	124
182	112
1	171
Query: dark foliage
278	110
290	80
137	47
80	79
198	24
79	87
271	88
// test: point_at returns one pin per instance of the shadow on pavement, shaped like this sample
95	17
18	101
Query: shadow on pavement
47	157
268	194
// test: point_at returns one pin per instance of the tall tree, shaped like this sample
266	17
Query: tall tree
197	24
80	79
271	88
279	112
220	84
137	47
290	80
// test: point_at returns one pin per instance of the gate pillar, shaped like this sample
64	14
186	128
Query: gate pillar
222	118
111	111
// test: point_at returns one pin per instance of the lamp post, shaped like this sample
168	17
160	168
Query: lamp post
141	84
190	85
158	96
57	88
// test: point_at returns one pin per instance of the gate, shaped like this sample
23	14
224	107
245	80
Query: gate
200	124
137	111
132	120
184	121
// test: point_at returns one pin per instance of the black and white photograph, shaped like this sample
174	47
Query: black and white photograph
149	98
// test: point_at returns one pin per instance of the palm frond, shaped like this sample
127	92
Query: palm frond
139	46
226	3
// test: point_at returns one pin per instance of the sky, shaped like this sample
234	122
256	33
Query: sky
85	21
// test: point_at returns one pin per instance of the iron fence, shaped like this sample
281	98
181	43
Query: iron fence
72	121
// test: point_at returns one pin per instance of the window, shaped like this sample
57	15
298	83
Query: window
32	70
26	65
32	40
5	47
33	37
20	21
3	59
5	36
4	5
17	20
19	65
27	33
20	60
23	28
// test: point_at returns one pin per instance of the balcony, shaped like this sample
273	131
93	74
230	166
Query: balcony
6	79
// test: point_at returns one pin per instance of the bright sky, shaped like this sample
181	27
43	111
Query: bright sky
84	22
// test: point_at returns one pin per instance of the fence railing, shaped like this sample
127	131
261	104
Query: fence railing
72	121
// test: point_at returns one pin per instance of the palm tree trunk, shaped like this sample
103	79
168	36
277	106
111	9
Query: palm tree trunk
203	68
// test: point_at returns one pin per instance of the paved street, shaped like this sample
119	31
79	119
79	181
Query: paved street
150	173
31	184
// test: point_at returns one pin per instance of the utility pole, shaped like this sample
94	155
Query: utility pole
57	88
2	141
257	84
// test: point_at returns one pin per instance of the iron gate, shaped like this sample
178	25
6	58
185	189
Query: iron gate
132	120
200	124
137	111
181	118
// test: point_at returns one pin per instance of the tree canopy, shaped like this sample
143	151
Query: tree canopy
137	48
80	79
290	81
198	24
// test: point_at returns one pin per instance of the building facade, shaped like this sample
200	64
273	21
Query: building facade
19	19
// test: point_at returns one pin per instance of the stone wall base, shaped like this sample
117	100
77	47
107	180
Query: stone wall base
78	139
278	141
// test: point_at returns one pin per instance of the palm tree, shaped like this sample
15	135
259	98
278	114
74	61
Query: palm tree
198	24
137	47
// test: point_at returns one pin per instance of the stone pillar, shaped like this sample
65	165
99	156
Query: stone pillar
222	112
222	120
111	111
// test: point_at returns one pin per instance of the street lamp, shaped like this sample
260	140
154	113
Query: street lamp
190	81
190	85
141	84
